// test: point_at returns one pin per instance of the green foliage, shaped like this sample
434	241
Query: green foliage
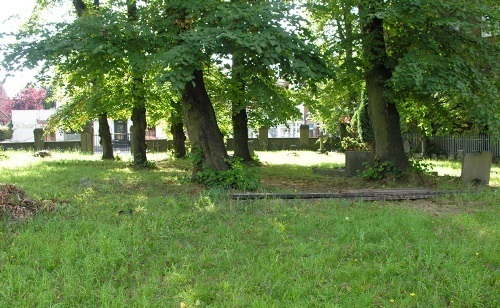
380	170
5	132
361	121
353	144
419	166
444	74
238	176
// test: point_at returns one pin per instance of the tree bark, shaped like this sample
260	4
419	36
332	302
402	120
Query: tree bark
177	131
240	132
239	116
204	133
138	130
383	113
105	137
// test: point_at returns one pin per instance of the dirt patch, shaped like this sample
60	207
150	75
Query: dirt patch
15	205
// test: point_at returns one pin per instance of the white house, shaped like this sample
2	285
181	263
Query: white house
24	123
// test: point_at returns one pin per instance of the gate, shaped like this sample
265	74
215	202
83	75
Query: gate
121	143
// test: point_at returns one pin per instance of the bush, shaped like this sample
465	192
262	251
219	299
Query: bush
238	176
380	170
362	122
5	132
353	144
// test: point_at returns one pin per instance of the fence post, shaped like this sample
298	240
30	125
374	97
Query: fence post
39	140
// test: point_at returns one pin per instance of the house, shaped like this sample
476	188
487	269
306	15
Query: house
4	118
24	123
120	131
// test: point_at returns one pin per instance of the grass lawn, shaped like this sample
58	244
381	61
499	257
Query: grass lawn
126	237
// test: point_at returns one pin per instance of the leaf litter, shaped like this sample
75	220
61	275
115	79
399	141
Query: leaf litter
16	205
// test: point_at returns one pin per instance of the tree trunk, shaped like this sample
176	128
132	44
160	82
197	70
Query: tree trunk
105	137
201	123
239	113
383	113
177	131
240	132
138	132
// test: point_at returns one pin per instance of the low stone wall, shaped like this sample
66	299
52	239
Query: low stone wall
62	145
159	145
47	145
18	145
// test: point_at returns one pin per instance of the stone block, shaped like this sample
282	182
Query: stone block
354	161
476	168
39	139
304	136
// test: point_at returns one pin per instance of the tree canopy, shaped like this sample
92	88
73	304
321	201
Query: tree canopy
440	71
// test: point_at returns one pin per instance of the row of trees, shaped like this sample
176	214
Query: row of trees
418	63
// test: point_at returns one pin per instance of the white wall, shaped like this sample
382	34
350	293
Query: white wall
24	123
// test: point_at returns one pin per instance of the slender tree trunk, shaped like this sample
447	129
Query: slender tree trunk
383	113
138	130
239	116
201	123
105	137
240	132
177	131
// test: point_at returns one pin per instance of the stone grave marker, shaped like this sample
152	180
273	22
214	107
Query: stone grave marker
476	168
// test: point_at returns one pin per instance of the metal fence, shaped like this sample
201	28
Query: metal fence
453	144
121	143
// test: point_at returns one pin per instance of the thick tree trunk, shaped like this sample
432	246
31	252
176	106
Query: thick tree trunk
138	132
383	113
201	123
240	132
105	137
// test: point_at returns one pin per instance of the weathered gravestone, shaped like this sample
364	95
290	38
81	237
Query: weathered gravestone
263	138
354	161
476	168
39	139
304	136
407	146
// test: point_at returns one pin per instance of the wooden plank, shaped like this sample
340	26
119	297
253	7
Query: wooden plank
382	194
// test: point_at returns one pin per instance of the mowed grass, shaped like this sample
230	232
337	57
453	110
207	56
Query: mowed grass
126	237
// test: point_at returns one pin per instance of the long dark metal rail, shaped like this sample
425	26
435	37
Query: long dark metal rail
365	194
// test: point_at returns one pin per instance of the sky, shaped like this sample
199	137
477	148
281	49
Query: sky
21	10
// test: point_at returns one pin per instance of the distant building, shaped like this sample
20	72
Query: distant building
4	118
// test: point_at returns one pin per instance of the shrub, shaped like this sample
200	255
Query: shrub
238	176
380	170
5	132
362	122
353	144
